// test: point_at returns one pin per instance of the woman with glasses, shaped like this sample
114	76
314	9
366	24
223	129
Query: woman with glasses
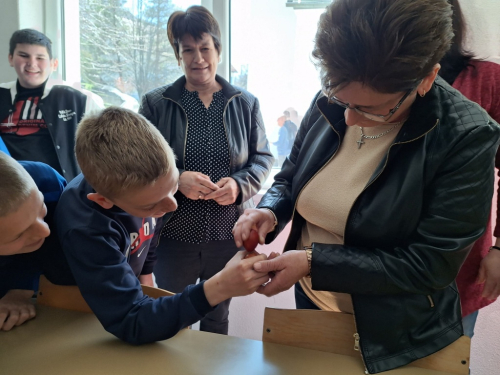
388	184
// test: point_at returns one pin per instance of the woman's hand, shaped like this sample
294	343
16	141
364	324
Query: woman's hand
288	268
489	274
195	185
262	220
227	193
16	308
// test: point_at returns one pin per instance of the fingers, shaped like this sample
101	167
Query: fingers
491	289
273	255
481	276
269	290
266	266
26	314
16	317
207	183
217	194
205	190
3	317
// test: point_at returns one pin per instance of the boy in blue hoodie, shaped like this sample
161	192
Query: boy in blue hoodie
108	223
29	192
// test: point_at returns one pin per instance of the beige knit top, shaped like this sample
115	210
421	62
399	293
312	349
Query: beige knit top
327	198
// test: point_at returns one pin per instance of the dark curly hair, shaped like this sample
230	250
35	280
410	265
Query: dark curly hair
388	45
195	21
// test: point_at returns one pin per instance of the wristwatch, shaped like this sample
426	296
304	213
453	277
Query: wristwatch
309	254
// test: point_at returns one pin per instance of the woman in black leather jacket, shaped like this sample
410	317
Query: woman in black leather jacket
388	184
218	136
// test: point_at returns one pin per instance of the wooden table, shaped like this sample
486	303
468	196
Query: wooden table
67	342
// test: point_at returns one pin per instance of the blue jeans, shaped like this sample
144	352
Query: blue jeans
469	323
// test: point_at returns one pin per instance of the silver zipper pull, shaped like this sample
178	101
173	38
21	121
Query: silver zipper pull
356	342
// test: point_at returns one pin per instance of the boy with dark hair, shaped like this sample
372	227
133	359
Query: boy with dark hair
29	192
38	119
107	224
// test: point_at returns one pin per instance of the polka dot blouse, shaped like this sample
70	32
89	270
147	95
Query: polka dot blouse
207	151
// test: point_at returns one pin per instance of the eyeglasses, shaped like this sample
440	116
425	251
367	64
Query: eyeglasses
372	116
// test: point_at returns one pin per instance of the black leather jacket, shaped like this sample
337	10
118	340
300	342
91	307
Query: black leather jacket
409	230
251	158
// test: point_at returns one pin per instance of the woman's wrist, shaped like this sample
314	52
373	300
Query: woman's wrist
273	216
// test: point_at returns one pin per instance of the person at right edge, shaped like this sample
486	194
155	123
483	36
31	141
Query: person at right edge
479	278
388	185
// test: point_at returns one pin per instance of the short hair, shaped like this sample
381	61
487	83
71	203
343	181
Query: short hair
30	36
119	150
195	21
387	45
16	185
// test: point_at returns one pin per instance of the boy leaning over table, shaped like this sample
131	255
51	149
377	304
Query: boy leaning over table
108	222
29	192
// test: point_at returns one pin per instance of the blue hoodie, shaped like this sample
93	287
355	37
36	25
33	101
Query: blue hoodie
107	249
22	271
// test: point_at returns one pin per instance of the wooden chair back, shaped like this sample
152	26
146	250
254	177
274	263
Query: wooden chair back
333	332
70	298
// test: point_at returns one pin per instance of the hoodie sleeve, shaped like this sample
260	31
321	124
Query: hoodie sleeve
114	293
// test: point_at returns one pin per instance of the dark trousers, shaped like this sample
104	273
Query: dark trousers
302	301
181	264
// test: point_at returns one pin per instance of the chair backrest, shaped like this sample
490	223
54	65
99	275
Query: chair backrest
333	332
70	298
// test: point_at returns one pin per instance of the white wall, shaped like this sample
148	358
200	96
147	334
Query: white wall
9	22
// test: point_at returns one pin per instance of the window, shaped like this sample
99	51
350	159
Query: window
124	48
271	45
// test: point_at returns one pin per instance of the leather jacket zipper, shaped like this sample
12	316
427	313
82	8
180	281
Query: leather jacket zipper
357	344
431	301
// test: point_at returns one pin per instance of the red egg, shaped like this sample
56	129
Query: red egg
252	241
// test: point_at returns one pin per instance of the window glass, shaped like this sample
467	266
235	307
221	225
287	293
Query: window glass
124	48
271	45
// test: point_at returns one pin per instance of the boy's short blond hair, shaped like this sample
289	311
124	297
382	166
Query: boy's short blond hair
119	150
16	184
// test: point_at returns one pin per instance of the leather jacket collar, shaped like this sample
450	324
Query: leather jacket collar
174	90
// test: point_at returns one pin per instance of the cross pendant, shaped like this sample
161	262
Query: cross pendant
360	142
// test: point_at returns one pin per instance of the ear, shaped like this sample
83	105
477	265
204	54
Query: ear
427	82
100	200
55	64
11	60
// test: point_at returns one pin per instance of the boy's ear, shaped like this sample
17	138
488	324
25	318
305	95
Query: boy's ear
55	64
100	200
11	58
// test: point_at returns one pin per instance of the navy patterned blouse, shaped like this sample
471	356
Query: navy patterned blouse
207	151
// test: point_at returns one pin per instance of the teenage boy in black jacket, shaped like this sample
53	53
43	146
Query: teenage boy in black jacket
38	119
